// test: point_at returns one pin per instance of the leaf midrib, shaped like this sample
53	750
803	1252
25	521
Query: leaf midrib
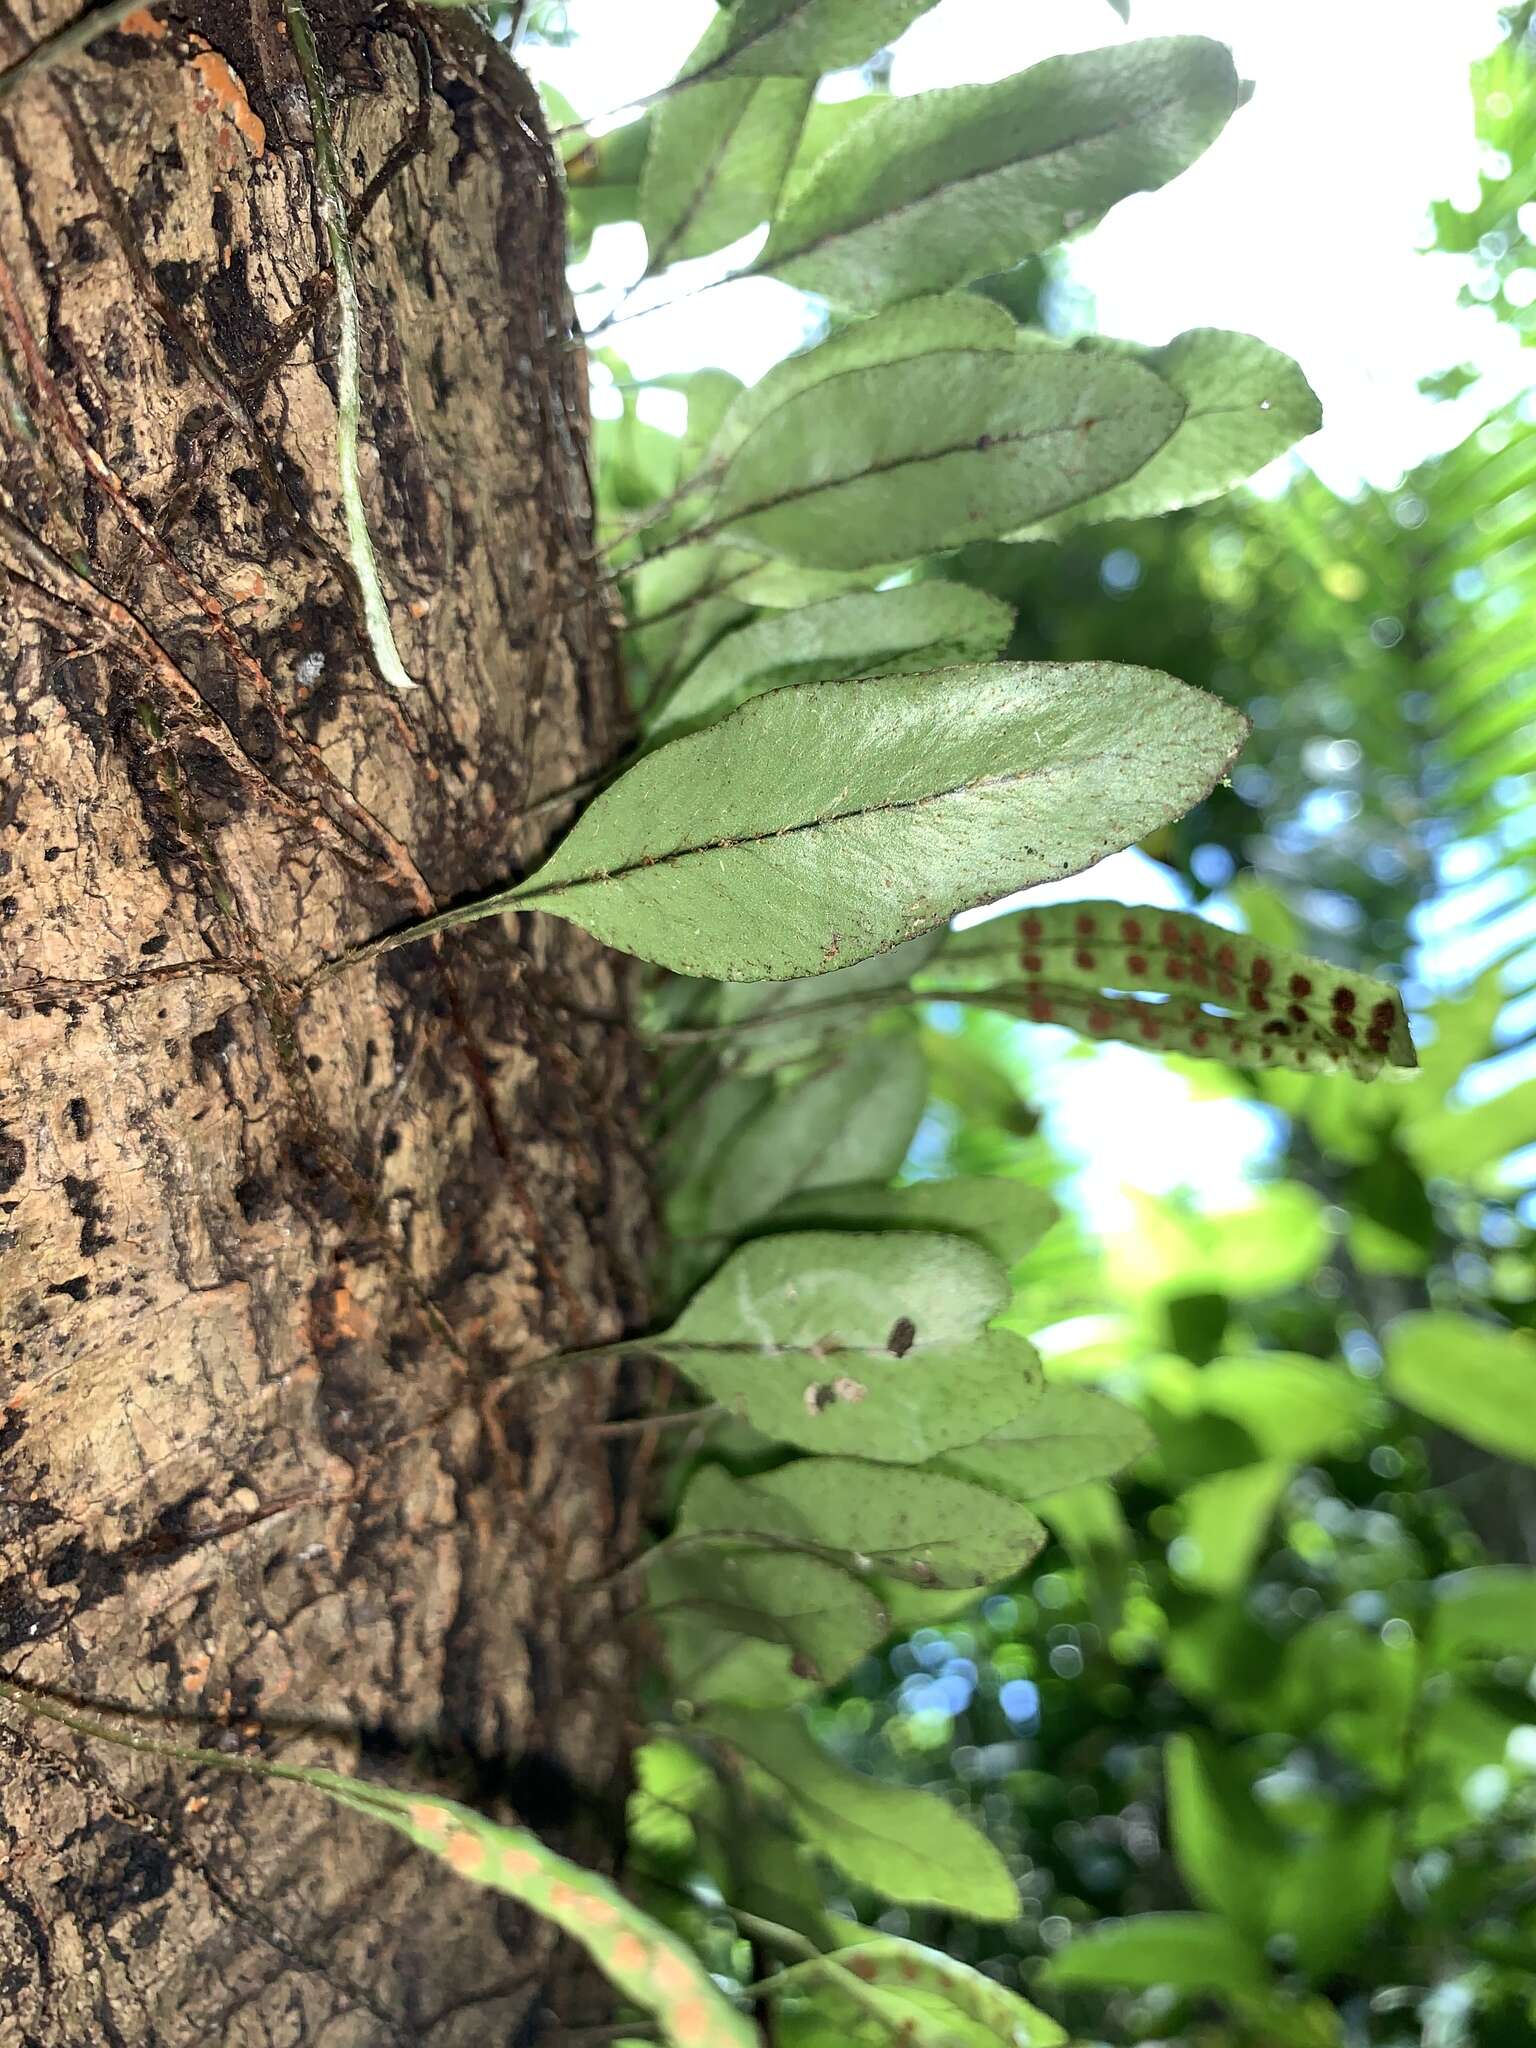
527	893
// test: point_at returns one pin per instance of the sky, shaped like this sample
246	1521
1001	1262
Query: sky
1305	223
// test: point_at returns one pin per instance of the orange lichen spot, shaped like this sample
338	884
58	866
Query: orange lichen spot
196	1674
690	2020
565	1898
596	1912
143	23
219	91
465	1852
518	1865
671	1973
865	1967
629	1952
427	1820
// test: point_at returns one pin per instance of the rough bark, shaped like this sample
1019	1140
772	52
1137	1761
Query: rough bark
272	1256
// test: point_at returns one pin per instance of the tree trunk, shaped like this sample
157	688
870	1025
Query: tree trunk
272	1254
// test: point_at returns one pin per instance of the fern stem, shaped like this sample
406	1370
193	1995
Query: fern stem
332	204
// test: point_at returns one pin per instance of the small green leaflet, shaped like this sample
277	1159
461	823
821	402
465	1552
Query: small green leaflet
1070	1435
602	175
1472	1377
641	1959
1293	1407
921	1997
876	632
852	1121
717	157
1008	1217
797	38
1244	404
901	1842
758	1627
1321	1889
1489	1611
818	825
937	189
921	1526
1226	1517
839	1342
1228	1850
1191	1951
1230	997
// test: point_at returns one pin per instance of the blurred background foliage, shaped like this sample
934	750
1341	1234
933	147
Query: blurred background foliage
1257	1730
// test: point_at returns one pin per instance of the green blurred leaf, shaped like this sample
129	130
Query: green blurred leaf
1226	1518
1230	1854
919	1525
844	1343
1070	1435
1273	1244
1190	1951
1473	1377
718	155
853	1121
901	1842
933	190
799	38
818	825
1488	1611
758	1627
922	1996
1293	1407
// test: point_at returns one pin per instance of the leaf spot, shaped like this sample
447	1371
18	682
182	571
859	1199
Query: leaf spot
902	1337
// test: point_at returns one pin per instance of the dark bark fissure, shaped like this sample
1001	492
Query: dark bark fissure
270	1260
